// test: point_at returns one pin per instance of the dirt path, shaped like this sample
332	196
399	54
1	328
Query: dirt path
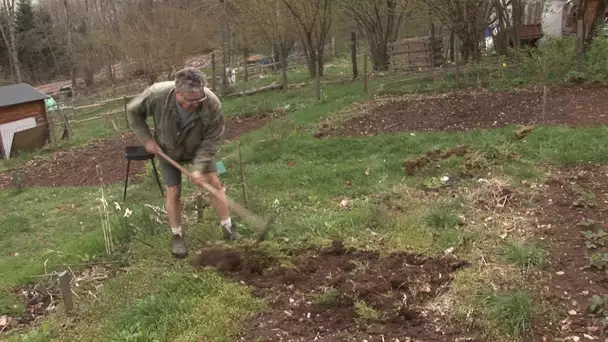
336	294
77	166
466	110
575	202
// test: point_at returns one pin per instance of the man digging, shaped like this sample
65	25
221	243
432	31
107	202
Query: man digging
188	127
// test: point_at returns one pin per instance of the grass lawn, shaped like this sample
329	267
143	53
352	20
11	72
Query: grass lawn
339	188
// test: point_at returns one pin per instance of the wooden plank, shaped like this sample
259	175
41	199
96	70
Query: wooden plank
23	111
89	106
425	51
30	139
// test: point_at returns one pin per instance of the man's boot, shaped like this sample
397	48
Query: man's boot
179	246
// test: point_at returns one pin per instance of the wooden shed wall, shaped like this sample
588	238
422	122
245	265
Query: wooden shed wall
20	111
416	53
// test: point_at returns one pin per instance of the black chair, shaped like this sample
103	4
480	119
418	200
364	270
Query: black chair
139	153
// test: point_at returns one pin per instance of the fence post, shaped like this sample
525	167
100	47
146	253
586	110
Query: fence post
353	53
213	75
284	67
51	130
365	85
124	100
242	173
67	130
433	57
318	76
333	47
245	78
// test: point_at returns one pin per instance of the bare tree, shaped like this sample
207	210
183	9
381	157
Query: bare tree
7	28
380	21
266	21
467	19
313	18
156	45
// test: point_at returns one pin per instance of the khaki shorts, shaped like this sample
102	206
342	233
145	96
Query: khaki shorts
172	176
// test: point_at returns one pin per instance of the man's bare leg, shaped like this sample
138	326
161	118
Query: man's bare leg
174	214
220	204
174	206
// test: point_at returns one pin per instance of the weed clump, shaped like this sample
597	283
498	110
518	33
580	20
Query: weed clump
525	256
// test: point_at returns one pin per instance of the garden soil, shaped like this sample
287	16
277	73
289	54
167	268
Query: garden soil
574	202
466	110
340	294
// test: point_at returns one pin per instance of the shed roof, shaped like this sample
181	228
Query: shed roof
19	93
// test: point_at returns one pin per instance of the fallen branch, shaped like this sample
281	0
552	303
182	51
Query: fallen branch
273	86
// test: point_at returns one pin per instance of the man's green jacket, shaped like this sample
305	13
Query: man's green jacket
198	141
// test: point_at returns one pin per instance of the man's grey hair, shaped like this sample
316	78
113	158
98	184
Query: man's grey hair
190	79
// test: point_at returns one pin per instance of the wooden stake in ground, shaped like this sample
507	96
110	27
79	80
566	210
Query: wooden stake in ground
66	290
243	186
200	208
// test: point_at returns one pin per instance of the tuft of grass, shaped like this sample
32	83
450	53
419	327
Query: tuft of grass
442	218
366	312
330	297
444	223
510	314
525	256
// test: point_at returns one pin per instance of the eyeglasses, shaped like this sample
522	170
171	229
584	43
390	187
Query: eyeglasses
192	101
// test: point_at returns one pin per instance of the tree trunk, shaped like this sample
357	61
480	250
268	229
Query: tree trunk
517	23
88	76
311	61
14	53
598	19
380	56
225	53
452	53
70	47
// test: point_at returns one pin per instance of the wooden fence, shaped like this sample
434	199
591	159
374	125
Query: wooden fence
416	53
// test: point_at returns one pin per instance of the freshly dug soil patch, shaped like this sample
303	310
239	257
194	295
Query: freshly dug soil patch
339	294
466	111
575	202
77	166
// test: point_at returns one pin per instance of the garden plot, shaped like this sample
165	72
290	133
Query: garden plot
339	294
466	110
